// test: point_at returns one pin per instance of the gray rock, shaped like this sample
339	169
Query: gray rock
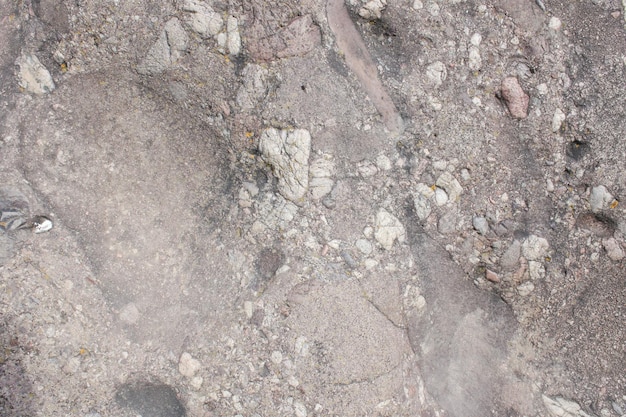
187	365
254	86
422	207
510	258
436	73
33	76
480	224
447	223
613	249
600	198
388	229
364	246
166	50
288	154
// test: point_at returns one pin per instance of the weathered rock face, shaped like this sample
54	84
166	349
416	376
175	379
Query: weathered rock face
288	154
166	50
33	76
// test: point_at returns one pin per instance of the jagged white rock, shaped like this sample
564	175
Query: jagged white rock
321	173
288	154
388	229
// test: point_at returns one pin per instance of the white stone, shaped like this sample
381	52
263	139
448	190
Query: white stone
187	365
299	409
418	5
383	163
436	73
253	88
370	264
234	38
424	190
525	289
373	9
422	206
448	182
536	270
557	120
129	313
196	382
288	154
475	61
535	248
480	224
321	172
555	23
433	8
613	249
33	76
542	89
302	346
388	229
364	246
441	197
476	39
276	357
600	198
203	20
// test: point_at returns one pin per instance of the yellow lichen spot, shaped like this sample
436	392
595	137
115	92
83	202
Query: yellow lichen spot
63	67
249	134
83	351
433	187
614	204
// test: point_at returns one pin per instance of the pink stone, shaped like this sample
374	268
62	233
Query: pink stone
515	98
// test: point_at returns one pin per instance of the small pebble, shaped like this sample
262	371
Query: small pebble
557	120
525	288
600	198
480	224
276	357
441	197
613	249
515	97
535	248
187	365
364	246
555	23
492	276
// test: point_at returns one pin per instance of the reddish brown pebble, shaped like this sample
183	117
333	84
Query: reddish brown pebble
516	99
492	276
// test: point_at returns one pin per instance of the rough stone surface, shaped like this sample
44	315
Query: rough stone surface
515	97
288	154
535	248
600	198
168	49
33	76
388	229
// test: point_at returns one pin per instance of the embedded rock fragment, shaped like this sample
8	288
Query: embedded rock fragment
33	76
321	172
288	154
166	50
388	229
515	98
203	19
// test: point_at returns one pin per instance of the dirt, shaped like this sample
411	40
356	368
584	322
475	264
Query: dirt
451	253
